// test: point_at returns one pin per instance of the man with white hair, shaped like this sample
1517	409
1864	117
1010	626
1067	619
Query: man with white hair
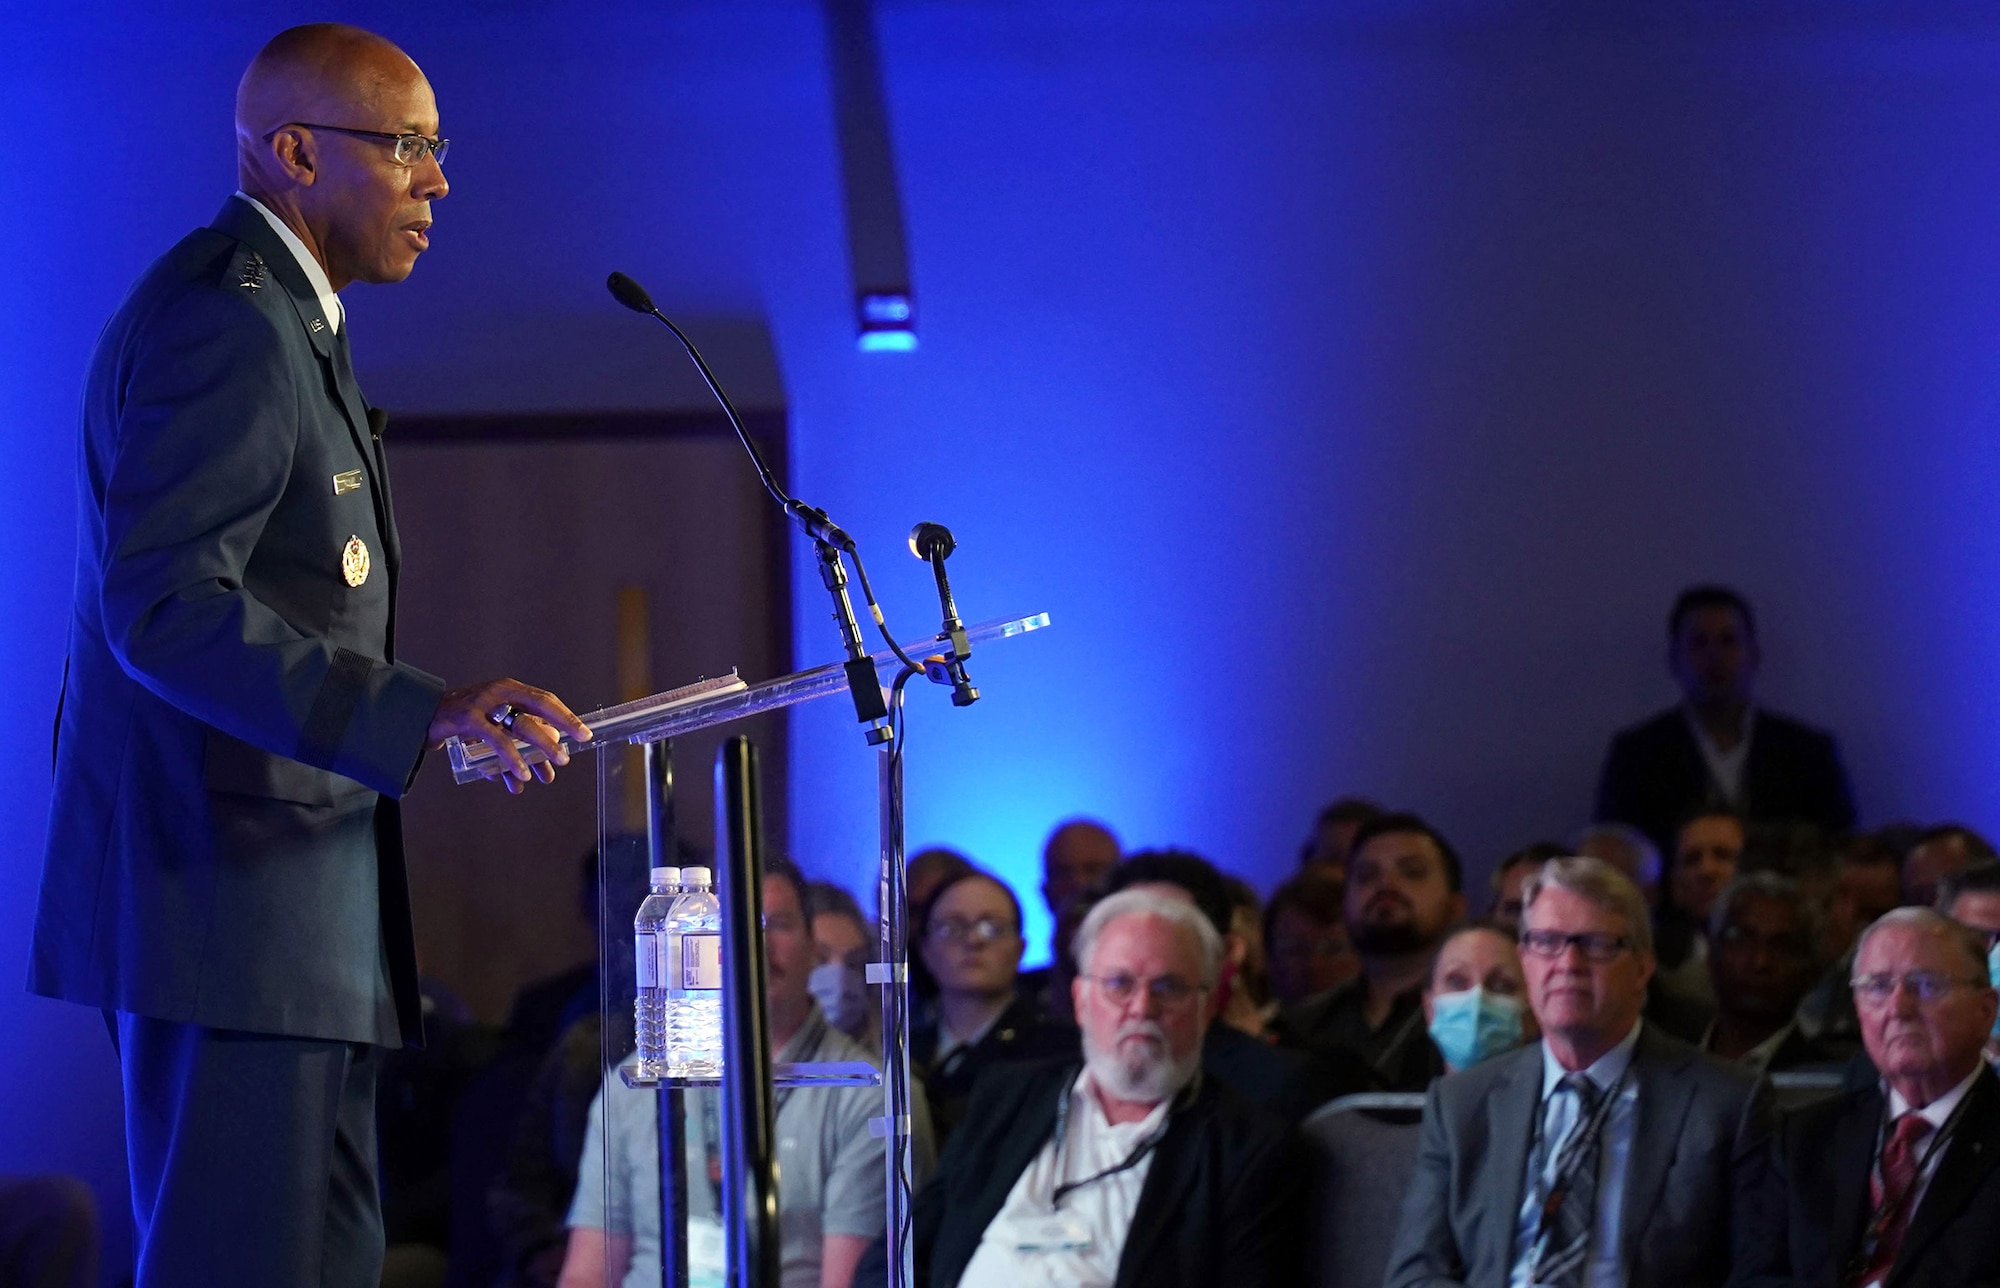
1898	1182
1130	1168
1607	1153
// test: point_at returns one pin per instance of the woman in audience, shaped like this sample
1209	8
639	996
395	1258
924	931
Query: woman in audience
1309	950
1476	1003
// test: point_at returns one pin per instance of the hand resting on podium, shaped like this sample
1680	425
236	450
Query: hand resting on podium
496	712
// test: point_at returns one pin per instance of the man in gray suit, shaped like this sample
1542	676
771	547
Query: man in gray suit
224	874
1607	1153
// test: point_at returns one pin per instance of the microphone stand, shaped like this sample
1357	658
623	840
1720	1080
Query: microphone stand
829	541
933	543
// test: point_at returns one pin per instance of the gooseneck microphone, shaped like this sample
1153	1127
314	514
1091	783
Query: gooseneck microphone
814	522
933	543
829	540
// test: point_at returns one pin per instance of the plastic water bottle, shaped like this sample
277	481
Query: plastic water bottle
649	961
694	985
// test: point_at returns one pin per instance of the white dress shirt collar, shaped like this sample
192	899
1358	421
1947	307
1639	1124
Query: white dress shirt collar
329	302
1938	1112
1607	1070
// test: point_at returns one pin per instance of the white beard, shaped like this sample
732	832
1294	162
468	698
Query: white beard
1146	1072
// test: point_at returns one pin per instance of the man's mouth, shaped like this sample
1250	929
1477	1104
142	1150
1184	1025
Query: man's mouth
419	233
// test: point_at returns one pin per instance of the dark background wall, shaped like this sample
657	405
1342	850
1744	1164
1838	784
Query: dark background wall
1355	384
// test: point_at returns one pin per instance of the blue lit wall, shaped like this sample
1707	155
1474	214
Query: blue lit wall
1354	391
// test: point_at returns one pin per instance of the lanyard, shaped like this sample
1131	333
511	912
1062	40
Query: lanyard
1132	1160
1553	1197
1891	1204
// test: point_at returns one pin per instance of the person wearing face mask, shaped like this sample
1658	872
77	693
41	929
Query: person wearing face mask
970	938
839	983
1476	1004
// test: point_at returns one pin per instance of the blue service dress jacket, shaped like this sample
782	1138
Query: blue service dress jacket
224	846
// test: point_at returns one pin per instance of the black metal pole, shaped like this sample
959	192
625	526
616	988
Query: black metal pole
893	894
749	1157
671	1104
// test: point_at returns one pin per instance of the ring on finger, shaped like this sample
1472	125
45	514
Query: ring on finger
504	715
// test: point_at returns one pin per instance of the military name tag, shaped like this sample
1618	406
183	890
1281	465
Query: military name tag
347	481
354	561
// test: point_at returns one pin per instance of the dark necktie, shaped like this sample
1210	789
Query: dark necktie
1570	1208
1895	1182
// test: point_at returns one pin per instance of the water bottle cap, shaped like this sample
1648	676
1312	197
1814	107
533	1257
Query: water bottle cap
666	876
695	876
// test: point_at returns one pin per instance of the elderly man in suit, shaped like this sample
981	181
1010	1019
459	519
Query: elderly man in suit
1897	1185
1132	1169
224	873
1605	1154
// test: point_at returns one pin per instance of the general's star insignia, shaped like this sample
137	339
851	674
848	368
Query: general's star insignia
354	561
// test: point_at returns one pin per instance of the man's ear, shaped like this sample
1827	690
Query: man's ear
295	156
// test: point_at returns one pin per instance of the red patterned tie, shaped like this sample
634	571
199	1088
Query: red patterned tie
1896	1181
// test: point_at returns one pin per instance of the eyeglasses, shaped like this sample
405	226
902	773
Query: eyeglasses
984	930
1169	992
410	148
1595	947
1927	985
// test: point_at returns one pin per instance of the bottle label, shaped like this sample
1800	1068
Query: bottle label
646	958
701	961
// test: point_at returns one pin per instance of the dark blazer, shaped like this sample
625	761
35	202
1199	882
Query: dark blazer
1223	1202
1694	1178
221	848
1654	777
1291	1084
1020	1033
1825	1152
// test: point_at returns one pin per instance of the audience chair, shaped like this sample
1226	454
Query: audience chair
1790	1091
1367	1148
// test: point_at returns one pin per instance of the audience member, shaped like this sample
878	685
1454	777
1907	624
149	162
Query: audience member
1972	899
524	1234
1608	1153
843	946
1868	881
1939	852
49	1232
923	875
1763	937
1626	848
1898	1182
1404	894
1292	1083
544	1009
1246	1002
830	1192
1476	1003
1511	875
971	940
1132	1168
1309	948
1717	749
1076	858
1332	841
1706	852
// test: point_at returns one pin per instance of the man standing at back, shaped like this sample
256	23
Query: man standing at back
1605	1154
1716	749
224	875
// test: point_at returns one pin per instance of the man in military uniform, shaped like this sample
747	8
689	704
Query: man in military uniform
224	874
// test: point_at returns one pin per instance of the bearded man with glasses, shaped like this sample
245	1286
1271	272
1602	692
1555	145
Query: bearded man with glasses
224	872
1607	1153
1127	1168
1898	1183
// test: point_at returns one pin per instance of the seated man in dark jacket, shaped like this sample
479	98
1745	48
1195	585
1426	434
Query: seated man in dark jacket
1132	1169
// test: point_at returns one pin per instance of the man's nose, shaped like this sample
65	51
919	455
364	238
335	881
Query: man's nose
431	185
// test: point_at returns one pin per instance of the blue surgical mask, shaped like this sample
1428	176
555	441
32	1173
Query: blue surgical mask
1475	1025
842	994
1993	974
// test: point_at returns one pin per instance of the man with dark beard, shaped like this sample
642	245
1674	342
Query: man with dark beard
1404	895
1133	1168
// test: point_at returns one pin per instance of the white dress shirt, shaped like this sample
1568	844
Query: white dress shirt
329	303
1559	1114
1021	1246
1937	1113
1725	767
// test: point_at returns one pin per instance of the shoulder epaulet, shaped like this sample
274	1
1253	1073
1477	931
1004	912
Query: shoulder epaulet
246	269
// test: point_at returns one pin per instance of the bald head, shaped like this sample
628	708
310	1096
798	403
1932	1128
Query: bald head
315	113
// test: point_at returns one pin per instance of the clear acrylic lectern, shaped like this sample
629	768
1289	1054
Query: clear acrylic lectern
686	1164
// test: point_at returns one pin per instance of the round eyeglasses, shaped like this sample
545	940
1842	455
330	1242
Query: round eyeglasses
1927	986
409	148
1169	992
